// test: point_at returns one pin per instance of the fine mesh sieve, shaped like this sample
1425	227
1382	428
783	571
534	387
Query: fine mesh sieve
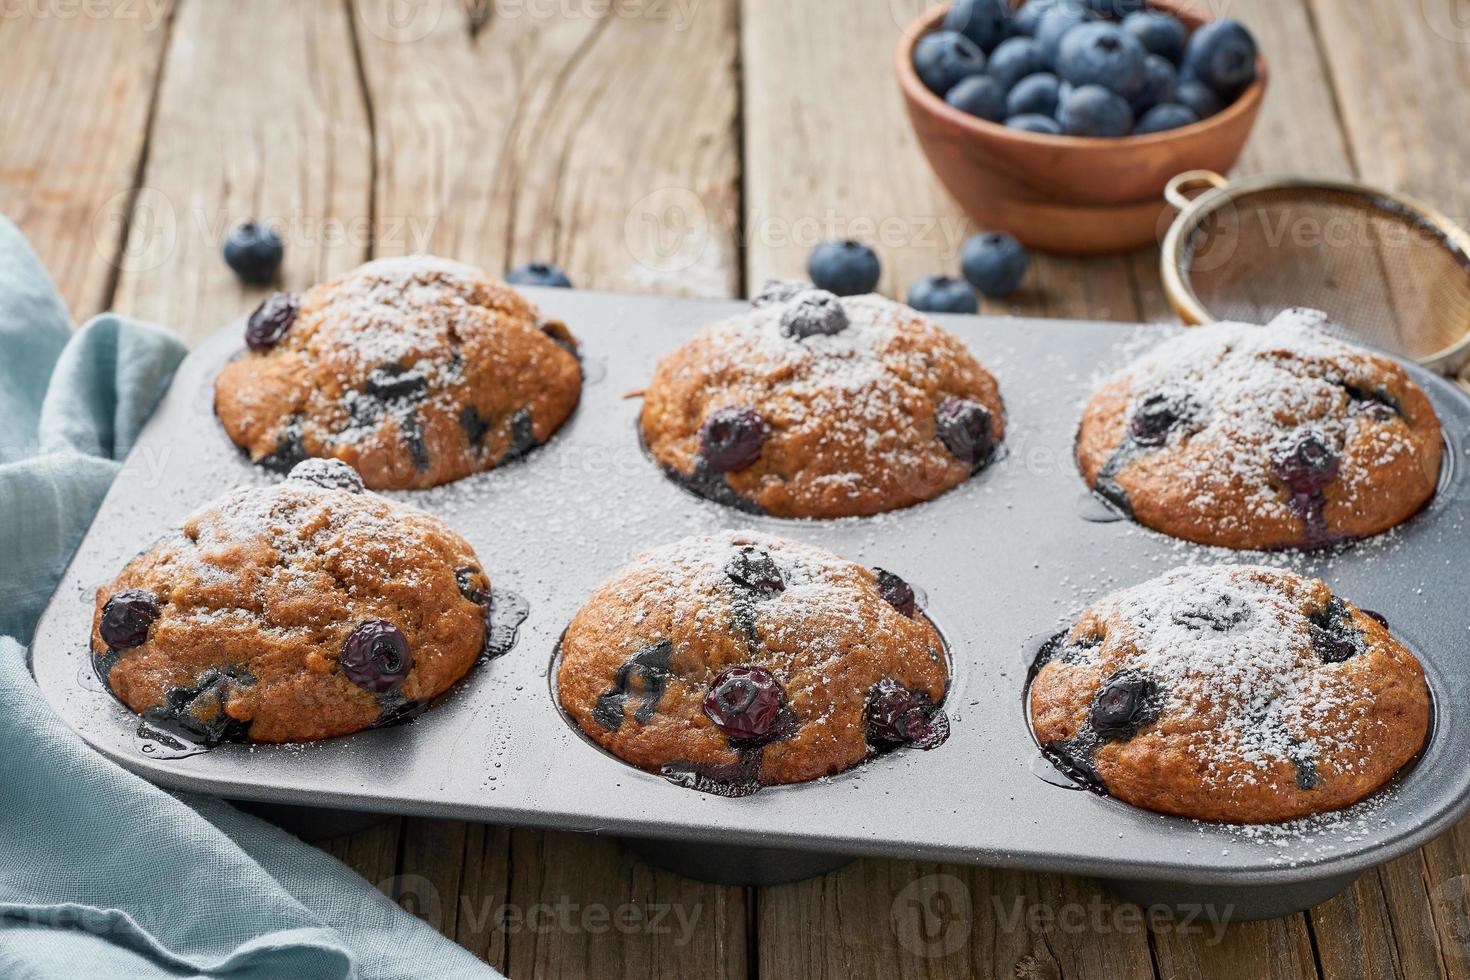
1388	271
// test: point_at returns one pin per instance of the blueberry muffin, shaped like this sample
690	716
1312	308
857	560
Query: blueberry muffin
811	405
304	610
741	660
415	371
1262	437
1235	692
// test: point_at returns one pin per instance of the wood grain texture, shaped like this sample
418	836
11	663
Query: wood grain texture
283	139
75	119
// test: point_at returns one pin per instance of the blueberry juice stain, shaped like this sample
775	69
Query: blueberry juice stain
503	619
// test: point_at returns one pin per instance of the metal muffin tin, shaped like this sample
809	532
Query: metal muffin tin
1007	559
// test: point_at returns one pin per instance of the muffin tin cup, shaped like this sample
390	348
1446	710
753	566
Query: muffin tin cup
1012	555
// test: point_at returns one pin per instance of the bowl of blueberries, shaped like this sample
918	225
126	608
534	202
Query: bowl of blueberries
1060	121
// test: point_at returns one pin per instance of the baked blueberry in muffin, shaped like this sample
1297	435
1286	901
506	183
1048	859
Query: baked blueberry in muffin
1234	692
740	660
416	371
304	610
814	405
1262	437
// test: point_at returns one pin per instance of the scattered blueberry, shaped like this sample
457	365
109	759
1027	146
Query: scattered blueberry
778	291
1014	59
896	592
1307	466
1091	110
254	251
126	619
270	321
1222	54
330	473
745	703
1162	34
1102	54
1033	123
813	312
1157	415
1123	704
966	429
1169	115
985	22
1034	95
538	274
1056	23
980	96
942	294
755	571
376	656
1160	79
897	716
943	58
1198	97
993	262
844	268
731	439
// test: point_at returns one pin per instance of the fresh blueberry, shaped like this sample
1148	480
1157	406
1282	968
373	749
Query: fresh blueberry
254	251
942	294
897	716
980	96
1307	465
985	22
993	262
844	268
755	571
778	291
1056	23
731	439
1016	58
1157	415
1033	123
813	312
126	619
966	429
1160	79
1222	54
1126	702
1091	110
376	656
1162	34
1169	115
896	592
473	585
943	58
1026	19
1116	9
330	473
1103	54
1198	98
1034	95
745	703
538	274
270	321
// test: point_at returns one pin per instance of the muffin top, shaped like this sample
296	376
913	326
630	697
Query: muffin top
811	405
304	610
1262	437
739	660
1233	692
416	371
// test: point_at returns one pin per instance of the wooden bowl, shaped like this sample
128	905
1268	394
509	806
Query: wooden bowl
1080	195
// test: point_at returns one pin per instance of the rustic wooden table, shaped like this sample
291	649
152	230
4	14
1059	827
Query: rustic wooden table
693	147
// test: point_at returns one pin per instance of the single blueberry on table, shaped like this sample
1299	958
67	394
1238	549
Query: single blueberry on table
813	312
731	439
376	656
942	294
755	571
1014	59
330	473
993	262
254	251
966	429
1123	704
985	22
1033	123
943	58
1162	34
844	268
980	96
270	321
1034	95
1222	54
1091	110
538	274
1056	23
126	619
745	703
897	716
896	592
1103	54
1160	79
1198	97
1161	118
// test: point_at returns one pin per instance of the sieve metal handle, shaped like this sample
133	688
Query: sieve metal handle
1177	191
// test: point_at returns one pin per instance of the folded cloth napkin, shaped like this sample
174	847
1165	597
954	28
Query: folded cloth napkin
102	874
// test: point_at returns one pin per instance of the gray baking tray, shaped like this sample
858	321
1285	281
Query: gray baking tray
1005	560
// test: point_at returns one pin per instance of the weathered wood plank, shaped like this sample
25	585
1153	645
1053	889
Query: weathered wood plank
240	134
372	853
75	118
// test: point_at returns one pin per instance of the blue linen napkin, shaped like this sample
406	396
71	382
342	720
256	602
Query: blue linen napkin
102	874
